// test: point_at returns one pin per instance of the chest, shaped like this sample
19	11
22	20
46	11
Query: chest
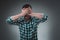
28	25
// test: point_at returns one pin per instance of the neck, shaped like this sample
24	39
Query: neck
27	18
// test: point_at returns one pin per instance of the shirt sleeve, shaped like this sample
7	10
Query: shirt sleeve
37	20
14	22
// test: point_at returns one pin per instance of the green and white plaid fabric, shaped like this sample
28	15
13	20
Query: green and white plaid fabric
28	29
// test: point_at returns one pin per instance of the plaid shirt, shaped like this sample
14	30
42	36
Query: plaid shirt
28	29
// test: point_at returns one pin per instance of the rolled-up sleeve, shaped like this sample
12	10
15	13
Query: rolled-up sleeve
37	20
14	22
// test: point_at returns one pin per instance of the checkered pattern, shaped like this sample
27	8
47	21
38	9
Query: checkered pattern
28	29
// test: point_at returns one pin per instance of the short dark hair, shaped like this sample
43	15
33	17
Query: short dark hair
26	6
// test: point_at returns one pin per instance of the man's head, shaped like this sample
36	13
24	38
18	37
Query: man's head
27	9
27	6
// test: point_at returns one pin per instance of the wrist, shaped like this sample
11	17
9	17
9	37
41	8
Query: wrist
23	14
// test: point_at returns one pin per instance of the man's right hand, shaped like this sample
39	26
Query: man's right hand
25	11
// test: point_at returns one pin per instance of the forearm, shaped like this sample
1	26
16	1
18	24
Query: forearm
17	16
38	15
12	19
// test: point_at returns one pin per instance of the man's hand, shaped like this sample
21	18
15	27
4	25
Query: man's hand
25	11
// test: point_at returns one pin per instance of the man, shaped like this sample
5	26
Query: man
27	22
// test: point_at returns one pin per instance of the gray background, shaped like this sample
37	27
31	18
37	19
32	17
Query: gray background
49	30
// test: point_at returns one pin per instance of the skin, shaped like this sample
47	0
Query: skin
27	13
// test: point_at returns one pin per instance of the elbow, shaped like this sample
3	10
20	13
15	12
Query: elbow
8	20
44	18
